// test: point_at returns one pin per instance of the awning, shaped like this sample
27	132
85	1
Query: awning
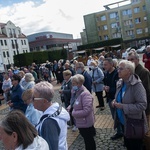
97	49
115	46
80	52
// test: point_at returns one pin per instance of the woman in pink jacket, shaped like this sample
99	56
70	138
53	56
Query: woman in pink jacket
82	102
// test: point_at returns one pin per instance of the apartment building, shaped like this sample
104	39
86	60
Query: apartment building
12	42
130	22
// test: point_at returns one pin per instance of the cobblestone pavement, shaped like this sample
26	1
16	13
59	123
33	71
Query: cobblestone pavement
103	125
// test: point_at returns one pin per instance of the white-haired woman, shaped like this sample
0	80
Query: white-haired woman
29	81
130	101
82	103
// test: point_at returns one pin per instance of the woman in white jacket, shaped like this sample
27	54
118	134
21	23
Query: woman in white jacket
16	133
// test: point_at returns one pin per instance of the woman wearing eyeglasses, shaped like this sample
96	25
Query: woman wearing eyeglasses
16	101
130	101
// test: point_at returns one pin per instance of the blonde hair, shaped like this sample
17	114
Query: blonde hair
78	78
67	72
29	77
27	94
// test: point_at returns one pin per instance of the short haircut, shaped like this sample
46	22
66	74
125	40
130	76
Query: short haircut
110	60
29	77
45	90
134	54
16	77
80	64
78	78
128	64
15	121
67	72
27	94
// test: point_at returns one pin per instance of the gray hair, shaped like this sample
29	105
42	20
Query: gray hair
129	65
78	78
29	77
135	54
45	90
80	64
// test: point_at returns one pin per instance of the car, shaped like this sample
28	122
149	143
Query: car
142	49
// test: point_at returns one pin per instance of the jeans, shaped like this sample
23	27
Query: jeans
112	110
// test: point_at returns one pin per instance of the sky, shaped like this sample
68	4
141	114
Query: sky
63	16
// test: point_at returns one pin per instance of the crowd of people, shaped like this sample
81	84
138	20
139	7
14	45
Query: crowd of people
28	92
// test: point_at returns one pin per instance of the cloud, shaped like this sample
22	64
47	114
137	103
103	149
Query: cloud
64	16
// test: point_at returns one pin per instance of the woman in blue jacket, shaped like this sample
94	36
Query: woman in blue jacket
16	101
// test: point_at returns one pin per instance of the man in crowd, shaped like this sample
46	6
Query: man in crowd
110	80
81	70
53	123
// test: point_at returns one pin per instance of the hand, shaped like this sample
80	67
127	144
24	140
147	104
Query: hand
107	88
145	60
113	102
118	105
94	82
60	91
68	108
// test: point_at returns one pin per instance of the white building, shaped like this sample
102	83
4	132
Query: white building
12	42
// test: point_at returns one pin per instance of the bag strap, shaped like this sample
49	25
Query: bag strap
56	113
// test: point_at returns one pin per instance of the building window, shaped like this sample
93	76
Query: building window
14	53
100	38
1	42
137	10
105	37
103	18
137	20
116	35
7	54
129	32
5	42
127	22
146	30
113	15
97	19
127	12
24	42
98	28
145	18
114	25
4	55
139	31
144	7
105	27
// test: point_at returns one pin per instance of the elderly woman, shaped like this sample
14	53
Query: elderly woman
16	133
97	83
32	114
82	102
16	101
29	81
65	91
130	100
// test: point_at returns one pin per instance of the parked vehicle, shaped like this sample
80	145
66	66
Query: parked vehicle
142	49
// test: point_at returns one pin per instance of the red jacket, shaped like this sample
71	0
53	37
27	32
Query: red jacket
147	63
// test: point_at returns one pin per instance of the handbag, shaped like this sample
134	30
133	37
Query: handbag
134	128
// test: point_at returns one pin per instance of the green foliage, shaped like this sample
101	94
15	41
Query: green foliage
39	57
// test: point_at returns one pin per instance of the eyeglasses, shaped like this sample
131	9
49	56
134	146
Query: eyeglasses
120	69
131	59
37	98
12	79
